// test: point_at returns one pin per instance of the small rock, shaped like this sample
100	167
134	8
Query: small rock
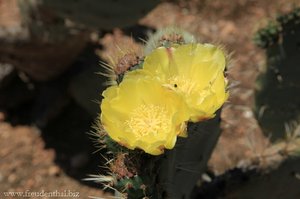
228	28
12	178
30	183
248	114
54	171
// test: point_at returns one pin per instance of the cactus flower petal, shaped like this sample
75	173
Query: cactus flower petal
195	71
141	113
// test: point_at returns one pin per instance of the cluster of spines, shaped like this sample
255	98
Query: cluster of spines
267	36
290	19
122	166
271	34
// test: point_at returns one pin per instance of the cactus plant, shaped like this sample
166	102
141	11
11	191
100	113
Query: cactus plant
277	103
183	102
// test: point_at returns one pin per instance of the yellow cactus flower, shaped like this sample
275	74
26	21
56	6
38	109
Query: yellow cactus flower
141	113
194	71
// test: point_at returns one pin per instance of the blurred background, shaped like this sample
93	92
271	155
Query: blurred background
50	52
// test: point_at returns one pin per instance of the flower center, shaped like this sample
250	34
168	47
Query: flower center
148	119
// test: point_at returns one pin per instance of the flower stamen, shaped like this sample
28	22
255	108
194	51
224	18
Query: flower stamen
148	119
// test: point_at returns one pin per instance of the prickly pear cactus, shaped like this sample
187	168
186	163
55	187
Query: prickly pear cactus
277	99
160	120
